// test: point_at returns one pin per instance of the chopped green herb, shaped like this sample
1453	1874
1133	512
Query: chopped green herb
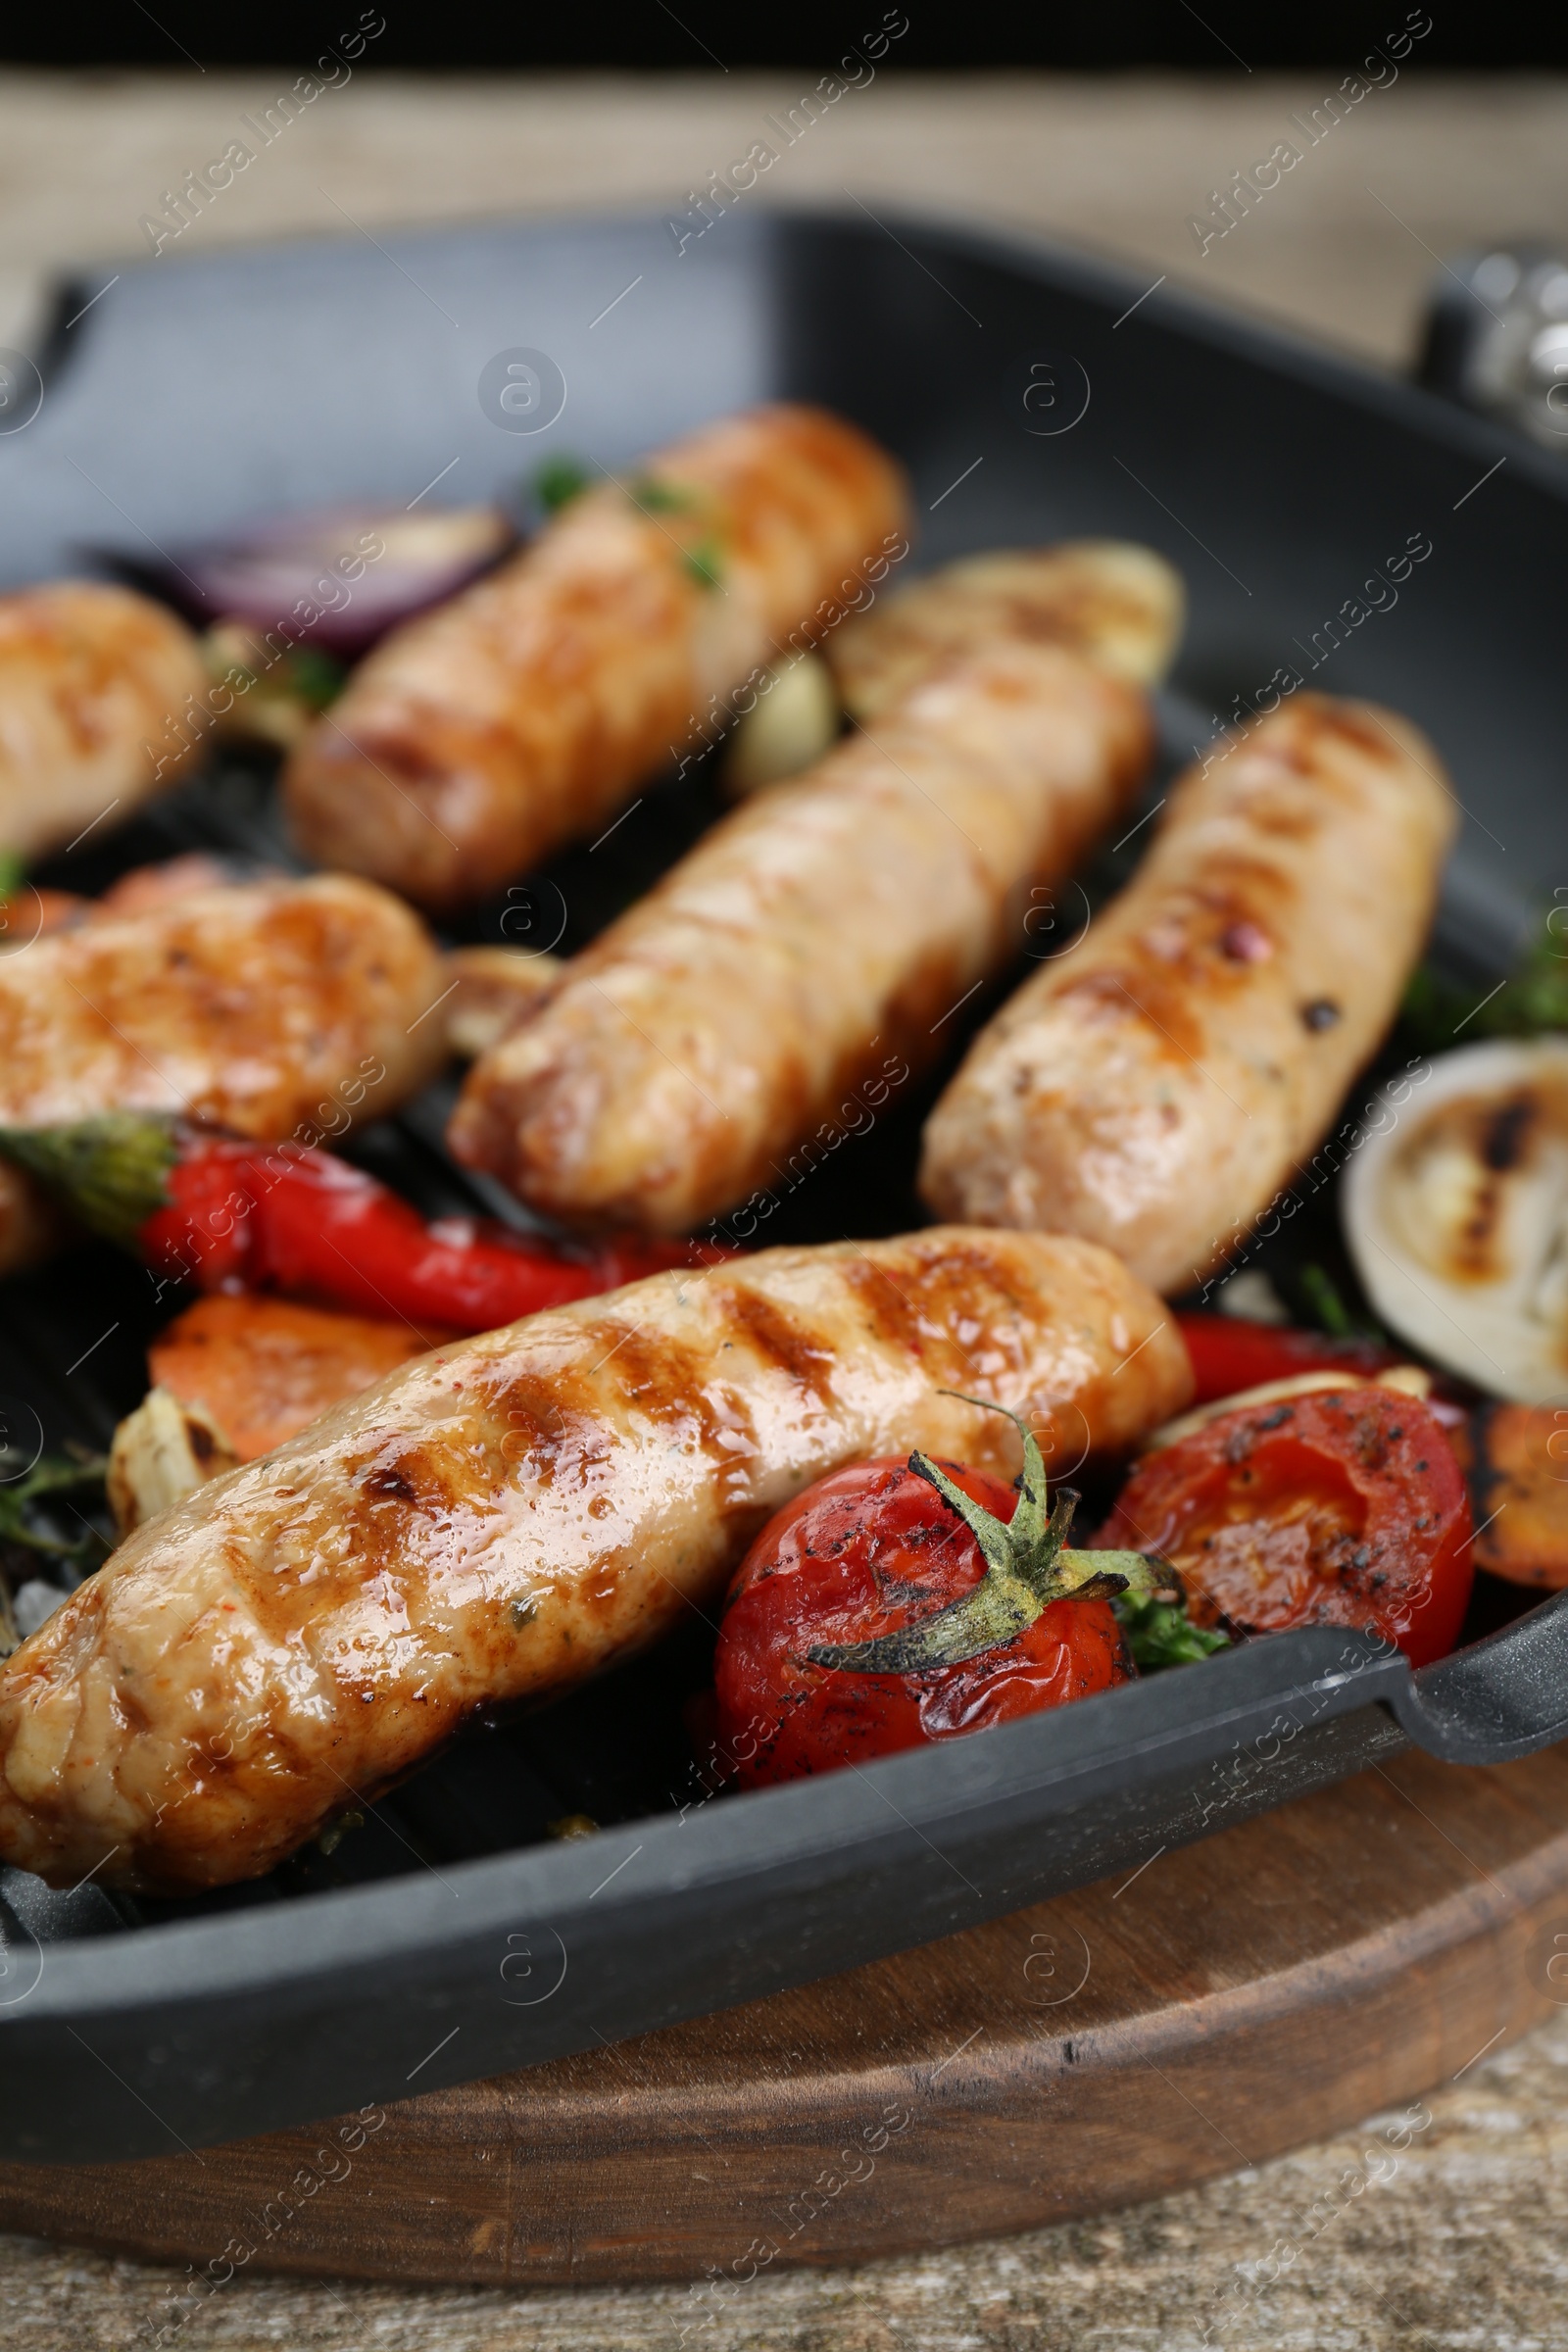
13	874
1536	998
315	677
661	498
26	1518
704	563
1160	1634
558	481
1532	1002
1324	1299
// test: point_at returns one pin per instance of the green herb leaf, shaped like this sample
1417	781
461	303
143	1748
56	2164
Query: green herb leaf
705	561
1535	1000
1324	1299
13	874
1160	1634
1532	1002
23	1522
661	498
558	481
313	677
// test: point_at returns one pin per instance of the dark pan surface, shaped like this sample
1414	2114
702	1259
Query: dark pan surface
195	394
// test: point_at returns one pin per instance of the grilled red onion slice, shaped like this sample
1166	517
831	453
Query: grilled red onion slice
337	578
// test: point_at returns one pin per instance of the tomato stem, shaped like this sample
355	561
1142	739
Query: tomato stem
1027	1568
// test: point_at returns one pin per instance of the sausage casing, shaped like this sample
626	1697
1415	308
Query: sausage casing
93	680
1156	1087
261	1008
1117	604
522	713
510	1513
820	934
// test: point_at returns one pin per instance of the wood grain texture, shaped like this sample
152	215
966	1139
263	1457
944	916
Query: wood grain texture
1226	2003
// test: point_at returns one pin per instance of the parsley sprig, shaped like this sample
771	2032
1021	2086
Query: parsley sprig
26	1520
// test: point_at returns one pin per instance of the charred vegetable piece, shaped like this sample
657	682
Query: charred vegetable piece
1410	1380
791	725
1341	1509
493	989
223	1215
264	1369
1228	1354
898	1602
331	580
162	1452
1517	1459
1456	1210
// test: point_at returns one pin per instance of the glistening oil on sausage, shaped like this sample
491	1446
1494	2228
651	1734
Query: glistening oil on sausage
475	740
1155	1088
510	1514
829	928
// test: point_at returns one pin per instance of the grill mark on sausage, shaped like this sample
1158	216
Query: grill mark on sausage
1144	988
965	1301
779	1339
389	1484
1320	716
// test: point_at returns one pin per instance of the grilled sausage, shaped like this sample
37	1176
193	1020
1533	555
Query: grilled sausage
510	1514
523	713
820	933
92	681
1155	1087
1117	603
261	1008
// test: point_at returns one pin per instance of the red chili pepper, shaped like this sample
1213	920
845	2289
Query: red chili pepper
1345	1508
865	1617
226	1215
1229	1355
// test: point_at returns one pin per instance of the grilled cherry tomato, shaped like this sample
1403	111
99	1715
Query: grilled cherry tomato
1345	1508
875	1558
1228	1354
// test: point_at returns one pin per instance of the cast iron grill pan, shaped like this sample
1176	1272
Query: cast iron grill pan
197	393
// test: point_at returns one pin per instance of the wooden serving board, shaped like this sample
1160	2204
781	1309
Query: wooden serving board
1225	2002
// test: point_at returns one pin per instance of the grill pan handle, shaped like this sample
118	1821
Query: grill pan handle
1498	1699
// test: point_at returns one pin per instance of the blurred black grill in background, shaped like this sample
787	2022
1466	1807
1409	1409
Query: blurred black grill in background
706	36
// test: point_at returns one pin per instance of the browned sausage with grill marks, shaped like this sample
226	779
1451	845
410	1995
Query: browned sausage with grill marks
820	937
94	682
514	1512
260	1006
524	713
1156	1086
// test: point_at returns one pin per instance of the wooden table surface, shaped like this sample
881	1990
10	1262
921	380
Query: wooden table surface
1467	2244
